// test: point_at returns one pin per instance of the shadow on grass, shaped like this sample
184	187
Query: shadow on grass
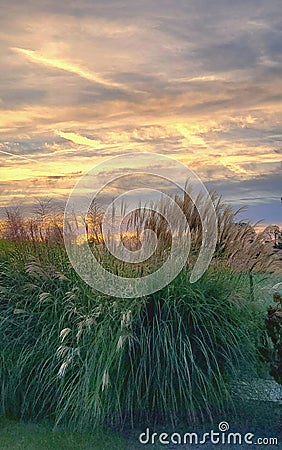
16	435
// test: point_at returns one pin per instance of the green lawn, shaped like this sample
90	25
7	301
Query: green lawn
18	436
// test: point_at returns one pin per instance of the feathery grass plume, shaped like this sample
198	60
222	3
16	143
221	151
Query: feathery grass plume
105	380
20	311
64	333
38	270
85	324
43	296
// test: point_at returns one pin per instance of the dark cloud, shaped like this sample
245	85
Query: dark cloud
12	97
261	197
234	55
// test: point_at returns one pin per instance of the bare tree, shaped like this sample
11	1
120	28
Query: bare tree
14	224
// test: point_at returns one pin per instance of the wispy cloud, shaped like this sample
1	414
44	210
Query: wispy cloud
19	156
80	140
68	67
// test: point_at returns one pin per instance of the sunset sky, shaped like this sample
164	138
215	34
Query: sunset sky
199	80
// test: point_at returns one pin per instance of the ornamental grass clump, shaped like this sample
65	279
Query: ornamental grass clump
84	360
